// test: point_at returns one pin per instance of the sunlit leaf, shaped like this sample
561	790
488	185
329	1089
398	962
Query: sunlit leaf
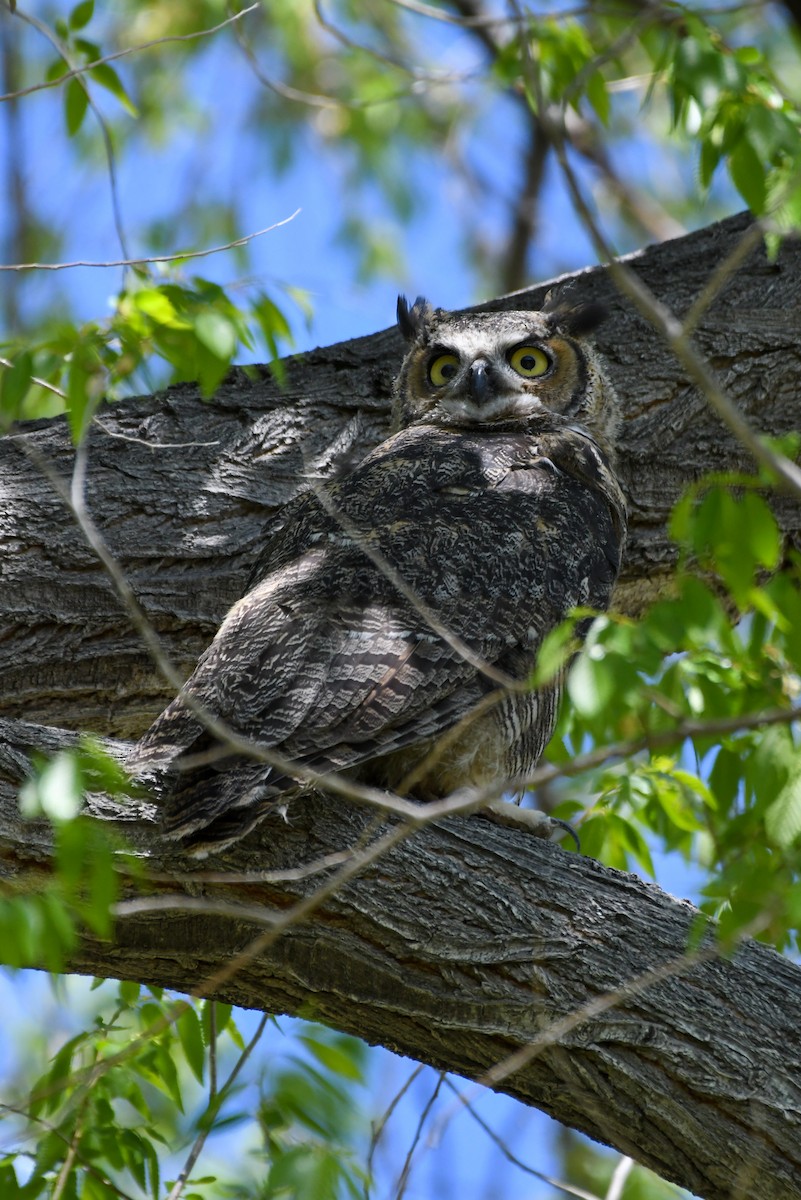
216	333
56	791
783	818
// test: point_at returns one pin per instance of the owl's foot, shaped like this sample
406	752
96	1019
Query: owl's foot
531	819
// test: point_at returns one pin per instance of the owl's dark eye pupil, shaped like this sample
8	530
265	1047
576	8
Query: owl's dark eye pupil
448	370
528	362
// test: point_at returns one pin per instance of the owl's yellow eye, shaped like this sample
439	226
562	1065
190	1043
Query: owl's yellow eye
443	368
529	361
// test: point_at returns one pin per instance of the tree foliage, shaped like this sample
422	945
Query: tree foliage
648	119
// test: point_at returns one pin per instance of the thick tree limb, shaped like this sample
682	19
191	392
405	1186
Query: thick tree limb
185	492
466	941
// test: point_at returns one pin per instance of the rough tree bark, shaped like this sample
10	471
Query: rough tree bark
466	941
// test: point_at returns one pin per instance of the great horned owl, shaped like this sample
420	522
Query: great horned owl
392	622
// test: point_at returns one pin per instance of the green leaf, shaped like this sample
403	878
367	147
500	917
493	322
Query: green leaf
748	175
105	75
15	382
725	777
81	15
630	840
9	1184
76	103
556	650
156	304
82	393
704	617
336	1057
761	530
783	818
217	334
56	791
101	771
129	992
598	96
273	324
708	160
103	887
60	934
590	686
191	1038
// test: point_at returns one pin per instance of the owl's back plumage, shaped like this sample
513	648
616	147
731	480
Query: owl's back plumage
400	601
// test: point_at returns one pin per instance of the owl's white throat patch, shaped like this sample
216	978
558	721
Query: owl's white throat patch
514	406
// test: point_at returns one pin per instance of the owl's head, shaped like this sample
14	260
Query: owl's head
503	368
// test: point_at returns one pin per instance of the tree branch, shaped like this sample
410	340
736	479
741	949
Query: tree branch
185	492
467	944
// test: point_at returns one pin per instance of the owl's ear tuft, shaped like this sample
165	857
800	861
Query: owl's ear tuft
575	319
413	321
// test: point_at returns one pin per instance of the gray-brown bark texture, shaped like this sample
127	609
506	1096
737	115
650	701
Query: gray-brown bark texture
466	941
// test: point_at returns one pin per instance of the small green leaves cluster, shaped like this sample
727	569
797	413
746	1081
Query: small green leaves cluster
77	51
121	1104
109	1107
733	101
191	329
565	57
309	1120
41	928
723	97
683	693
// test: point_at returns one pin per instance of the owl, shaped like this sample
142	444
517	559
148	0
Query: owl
393	622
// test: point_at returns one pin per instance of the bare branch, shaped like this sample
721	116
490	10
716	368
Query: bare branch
109	58
568	1188
108	146
179	255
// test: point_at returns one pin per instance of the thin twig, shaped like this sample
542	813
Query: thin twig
55	1131
386	59
42	383
361	538
178	255
598	1005
381	1124
721	274
407	1163
291	875
127	437
568	1188
320	100
619	1177
108	145
216	1097
108	58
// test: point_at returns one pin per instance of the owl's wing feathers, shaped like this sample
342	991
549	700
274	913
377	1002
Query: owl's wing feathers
327	662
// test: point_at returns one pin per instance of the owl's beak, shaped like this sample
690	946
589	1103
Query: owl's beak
478	381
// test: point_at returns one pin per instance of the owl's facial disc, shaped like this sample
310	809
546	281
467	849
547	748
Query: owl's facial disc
490	385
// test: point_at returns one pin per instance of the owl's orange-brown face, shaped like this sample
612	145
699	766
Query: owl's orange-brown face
484	369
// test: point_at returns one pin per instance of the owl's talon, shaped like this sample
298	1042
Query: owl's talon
533	820
568	829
